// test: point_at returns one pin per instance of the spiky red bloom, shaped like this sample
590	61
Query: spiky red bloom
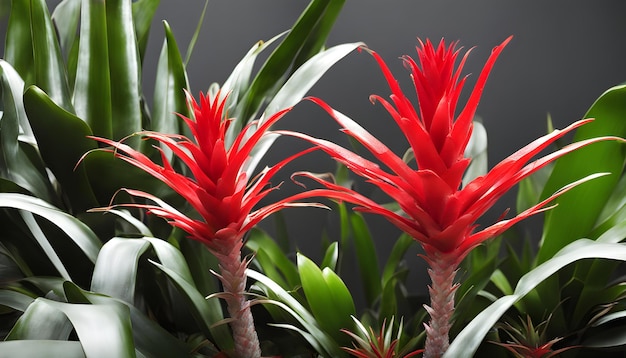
222	191
221	188
436	209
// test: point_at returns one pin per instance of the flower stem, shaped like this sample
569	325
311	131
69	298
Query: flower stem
233	277
442	272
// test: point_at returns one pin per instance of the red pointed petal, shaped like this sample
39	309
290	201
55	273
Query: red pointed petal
500	227
464	121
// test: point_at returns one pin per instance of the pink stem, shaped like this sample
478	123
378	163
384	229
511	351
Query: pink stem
233	277
442	272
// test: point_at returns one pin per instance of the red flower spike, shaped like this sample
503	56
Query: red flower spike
221	191
436	210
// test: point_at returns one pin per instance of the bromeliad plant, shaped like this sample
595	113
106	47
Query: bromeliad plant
223	190
73	76
435	208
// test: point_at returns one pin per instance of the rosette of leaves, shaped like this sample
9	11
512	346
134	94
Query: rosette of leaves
71	280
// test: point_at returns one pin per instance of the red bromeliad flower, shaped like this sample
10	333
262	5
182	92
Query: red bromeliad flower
435	209
221	191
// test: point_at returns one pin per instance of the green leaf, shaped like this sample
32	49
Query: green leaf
578	210
301	81
66	17
138	225
143	13
259	241
281	59
170	86
477	150
15	300
329	299
103	330
196	33
239	79
398	251
467	341
18	48
614	211
529	189
15	163
607	332
41	321
77	232
331	256
202	264
207	312
12	90
124	67
50	74
62	141
41	348
367	258
318	338
150	338
344	304
115	273
44	243
316	40
108	174
92	88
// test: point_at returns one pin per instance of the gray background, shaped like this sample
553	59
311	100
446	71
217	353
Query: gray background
563	56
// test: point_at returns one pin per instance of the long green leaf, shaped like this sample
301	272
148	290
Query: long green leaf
150	338
171	82
282	58
62	141
196	33
308	74
15	300
50	74
41	321
259	241
143	13
18	49
92	88
316	40
41	348
295	89
239	79
108	174
78	232
15	164
477	150
398	251
292	306
103	330
205	312
115	273
201	264
579	209
44	243
66	17
331	256
329	299
124	67
467	341
366	257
